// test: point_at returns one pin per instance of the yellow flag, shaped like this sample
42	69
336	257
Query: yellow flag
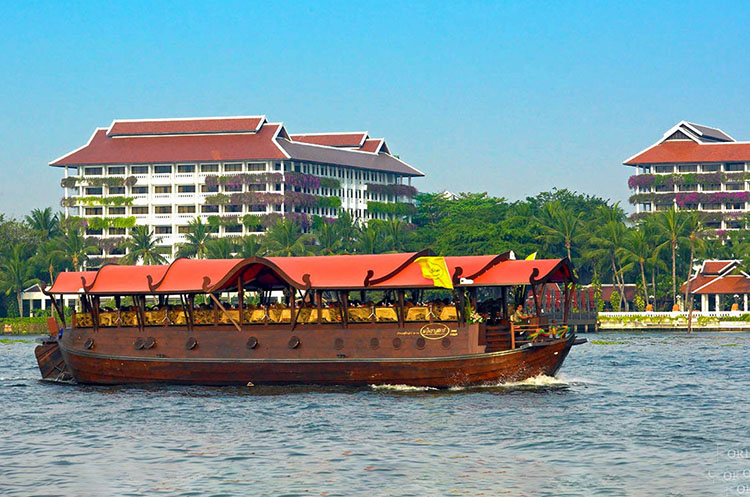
435	269
531	257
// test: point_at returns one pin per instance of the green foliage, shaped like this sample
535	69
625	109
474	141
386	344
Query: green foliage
109	181
395	208
614	300
328	202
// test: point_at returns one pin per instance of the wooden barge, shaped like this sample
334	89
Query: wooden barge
344	320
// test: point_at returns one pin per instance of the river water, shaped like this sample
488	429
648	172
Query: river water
629	414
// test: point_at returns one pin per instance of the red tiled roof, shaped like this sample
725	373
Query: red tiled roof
371	145
186	126
212	147
728	284
715	267
352	140
690	151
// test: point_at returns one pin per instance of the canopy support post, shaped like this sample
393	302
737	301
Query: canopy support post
537	307
400	308
319	304
292	306
216	302
57	309
241	299
95	312
140	312
345	308
185	311
299	310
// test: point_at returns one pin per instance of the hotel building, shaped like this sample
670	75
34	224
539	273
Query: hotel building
694	167
238	174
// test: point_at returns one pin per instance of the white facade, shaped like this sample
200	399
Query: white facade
167	197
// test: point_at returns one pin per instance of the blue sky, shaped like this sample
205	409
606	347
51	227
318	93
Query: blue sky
507	97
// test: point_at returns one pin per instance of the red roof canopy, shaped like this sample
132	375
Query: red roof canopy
350	272
70	282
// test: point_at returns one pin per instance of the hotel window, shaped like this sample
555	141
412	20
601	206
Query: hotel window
116	211
664	188
90	231
233	229
92	171
186	189
734	225
710	168
277	187
186	209
139	211
254	187
210	208
687	168
163	209
97	190
163	230
734	167
116	231
713	187
689	207
257	208
162	169
735	206
139	190
183	229
232	208
232	168
254	166
93	211
277	166
209	189
713	225
209	168
735	186
712	207
116	170
117	250
139	169
185	168
117	190
163	189
232	188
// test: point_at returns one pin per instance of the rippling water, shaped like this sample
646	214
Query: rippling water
630	414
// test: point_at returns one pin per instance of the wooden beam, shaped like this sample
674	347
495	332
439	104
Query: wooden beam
216	301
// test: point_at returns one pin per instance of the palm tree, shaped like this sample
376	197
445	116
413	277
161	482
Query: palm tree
45	222
221	248
395	234
607	240
143	246
635	249
75	247
559	225
347	228
369	238
695	231
196	240
48	256
328	237
15	273
672	224
285	239
249	246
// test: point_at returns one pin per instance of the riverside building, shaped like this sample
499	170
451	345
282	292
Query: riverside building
238	174
693	167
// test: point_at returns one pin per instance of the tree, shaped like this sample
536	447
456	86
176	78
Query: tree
346	227
607	239
395	231
636	250
671	224
695	232
328	237
285	239
249	246
196	240
142	245
221	248
369	238
75	247
15	273
45	222
559	225
47	257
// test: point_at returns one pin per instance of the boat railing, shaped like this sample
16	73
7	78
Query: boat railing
268	314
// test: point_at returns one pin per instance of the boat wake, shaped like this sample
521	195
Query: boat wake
401	388
536	383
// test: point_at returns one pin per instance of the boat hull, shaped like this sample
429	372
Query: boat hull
462	370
